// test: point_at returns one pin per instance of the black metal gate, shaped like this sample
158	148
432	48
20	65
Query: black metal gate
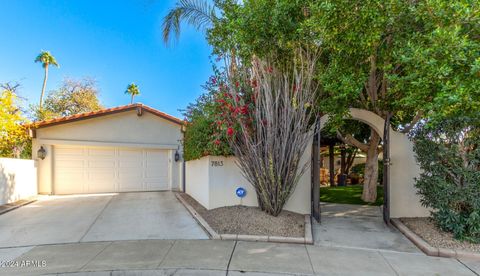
386	169
315	191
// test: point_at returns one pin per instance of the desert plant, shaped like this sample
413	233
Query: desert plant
448	152
269	121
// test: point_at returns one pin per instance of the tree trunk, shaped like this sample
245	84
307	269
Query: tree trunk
44	86
131	101
371	169
331	159
350	159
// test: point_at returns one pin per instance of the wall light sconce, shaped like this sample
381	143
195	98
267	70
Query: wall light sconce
177	156
41	153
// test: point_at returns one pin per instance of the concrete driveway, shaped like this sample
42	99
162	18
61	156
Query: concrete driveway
104	217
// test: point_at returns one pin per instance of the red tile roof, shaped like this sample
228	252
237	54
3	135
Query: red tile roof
103	112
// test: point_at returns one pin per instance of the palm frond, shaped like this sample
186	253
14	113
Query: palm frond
197	13
46	58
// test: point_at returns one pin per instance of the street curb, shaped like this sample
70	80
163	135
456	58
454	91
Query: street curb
430	250
15	205
213	235
250	238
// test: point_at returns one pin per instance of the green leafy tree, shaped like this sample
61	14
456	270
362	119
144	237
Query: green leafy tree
46	59
132	90
73	97
407	59
14	138
262	29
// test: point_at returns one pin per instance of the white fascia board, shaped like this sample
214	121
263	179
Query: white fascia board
106	144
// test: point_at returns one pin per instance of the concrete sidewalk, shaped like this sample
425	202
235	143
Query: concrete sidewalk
214	257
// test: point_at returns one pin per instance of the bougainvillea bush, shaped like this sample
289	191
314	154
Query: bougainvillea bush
448	151
203	135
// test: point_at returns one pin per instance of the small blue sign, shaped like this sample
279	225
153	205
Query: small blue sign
241	192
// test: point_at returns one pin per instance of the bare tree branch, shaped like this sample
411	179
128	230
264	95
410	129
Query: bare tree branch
350	140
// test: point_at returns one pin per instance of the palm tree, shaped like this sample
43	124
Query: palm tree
197	13
46	59
133	90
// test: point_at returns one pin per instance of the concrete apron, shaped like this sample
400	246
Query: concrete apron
102	217
358	226
215	257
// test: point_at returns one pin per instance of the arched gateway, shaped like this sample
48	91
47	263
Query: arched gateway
402	198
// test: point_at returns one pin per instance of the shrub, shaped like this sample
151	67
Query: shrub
268	117
202	136
448	152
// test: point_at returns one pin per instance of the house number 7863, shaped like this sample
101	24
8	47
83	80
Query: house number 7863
217	163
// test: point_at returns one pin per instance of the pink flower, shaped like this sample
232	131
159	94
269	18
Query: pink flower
244	110
217	142
230	131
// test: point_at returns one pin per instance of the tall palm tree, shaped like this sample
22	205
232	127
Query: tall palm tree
46	59
133	90
197	13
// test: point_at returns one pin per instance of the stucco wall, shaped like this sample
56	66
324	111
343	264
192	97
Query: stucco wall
18	179
404	201
124	129
214	185
197	180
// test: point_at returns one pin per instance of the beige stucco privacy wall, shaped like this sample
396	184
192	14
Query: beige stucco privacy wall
404	200
120	130
212	181
18	179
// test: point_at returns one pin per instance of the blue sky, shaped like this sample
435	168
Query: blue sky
114	42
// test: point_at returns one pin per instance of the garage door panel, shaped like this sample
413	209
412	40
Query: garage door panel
105	186
85	169
156	174
130	164
69	151
101	152
99	174
131	186
75	164
132	154
158	184
101	164
132	174
70	175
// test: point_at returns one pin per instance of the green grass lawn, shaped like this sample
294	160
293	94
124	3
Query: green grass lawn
348	195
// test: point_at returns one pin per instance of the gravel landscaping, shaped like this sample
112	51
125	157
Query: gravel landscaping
250	220
427	230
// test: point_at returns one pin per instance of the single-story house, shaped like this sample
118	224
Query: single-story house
137	148
122	149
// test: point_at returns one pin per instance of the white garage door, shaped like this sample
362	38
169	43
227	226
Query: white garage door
84	169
